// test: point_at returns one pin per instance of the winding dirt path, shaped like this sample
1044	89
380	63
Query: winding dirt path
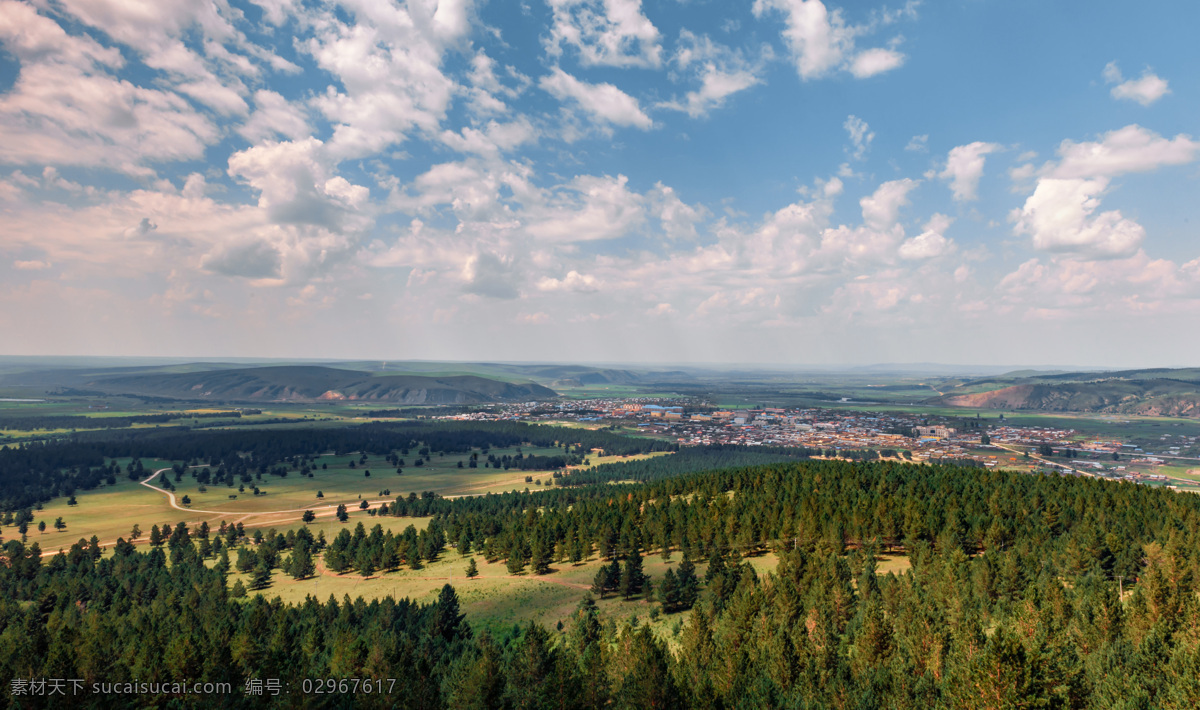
317	509
255	517
239	516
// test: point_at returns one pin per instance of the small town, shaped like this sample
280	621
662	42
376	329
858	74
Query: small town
990	443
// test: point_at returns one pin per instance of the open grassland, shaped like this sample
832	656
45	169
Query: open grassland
106	512
109	512
112	511
498	600
342	484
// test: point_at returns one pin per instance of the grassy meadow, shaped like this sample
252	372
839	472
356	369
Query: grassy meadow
111	511
497	600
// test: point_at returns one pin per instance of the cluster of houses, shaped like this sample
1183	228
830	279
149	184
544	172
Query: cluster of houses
903	434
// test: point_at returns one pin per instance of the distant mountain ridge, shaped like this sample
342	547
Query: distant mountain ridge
301	383
1152	392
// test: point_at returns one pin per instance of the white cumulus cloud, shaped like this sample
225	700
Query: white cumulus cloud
1059	216
573	281
605	33
930	243
605	103
881	208
821	42
1145	90
1131	149
721	71
875	61
964	168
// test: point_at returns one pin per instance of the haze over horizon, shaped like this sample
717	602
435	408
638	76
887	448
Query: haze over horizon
779	181
19	363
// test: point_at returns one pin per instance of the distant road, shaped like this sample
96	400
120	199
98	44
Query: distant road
1035	457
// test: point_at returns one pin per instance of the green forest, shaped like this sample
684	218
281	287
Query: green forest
1025	591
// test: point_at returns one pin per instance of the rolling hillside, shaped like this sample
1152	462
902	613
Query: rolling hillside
311	383
1157	392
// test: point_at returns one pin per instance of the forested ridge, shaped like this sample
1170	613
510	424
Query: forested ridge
1012	599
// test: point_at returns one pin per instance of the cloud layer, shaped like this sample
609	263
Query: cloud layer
594	179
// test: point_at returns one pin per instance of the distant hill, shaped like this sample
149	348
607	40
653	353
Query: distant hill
554	375
313	383
1153	392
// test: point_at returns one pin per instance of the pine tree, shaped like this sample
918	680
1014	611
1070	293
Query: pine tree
612	576
365	562
668	593
716	566
260	578
247	559
448	623
600	582
472	569
633	580
538	675
688	584
302	565
585	630
335	559
540	556
477	681
650	683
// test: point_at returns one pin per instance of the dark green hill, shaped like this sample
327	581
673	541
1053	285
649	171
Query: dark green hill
312	383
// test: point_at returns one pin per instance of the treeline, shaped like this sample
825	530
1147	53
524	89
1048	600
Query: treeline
459	437
37	472
32	423
1065	523
534	462
688	460
383	551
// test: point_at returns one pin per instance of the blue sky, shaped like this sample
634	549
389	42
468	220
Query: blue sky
775	181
